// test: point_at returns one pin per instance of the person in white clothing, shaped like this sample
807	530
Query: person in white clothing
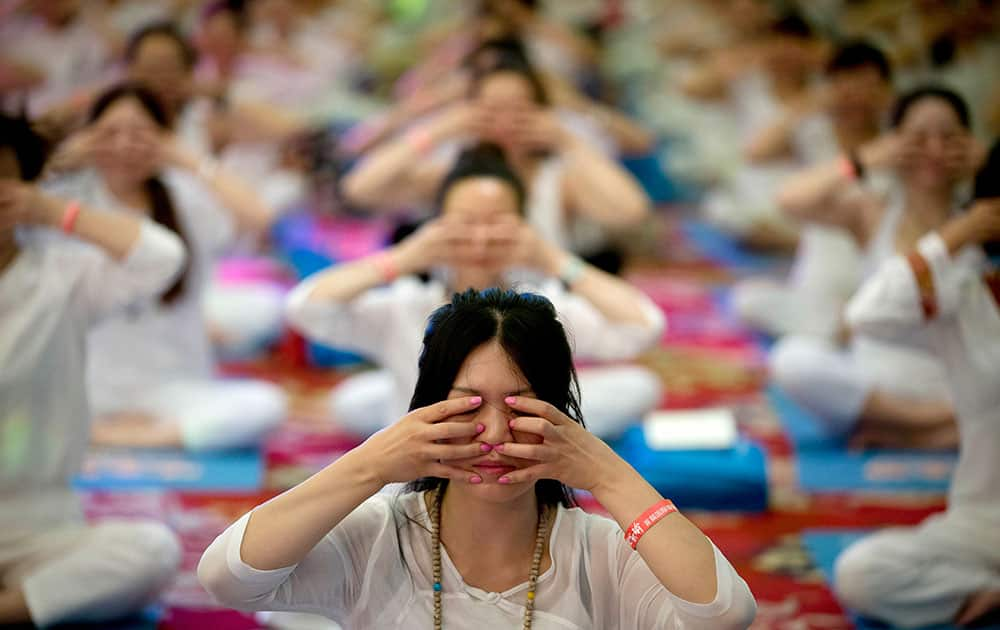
826	270
944	294
575	192
880	393
151	370
487	534
54	567
478	240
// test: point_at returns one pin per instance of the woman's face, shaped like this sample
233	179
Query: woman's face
159	64
489	372
506	96
127	141
480	205
220	36
932	134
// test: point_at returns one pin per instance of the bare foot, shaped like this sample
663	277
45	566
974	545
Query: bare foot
978	605
135	430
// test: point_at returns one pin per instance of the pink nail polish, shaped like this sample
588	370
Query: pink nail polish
475	479
503	480
486	448
480	428
510	424
475	400
510	400
498	447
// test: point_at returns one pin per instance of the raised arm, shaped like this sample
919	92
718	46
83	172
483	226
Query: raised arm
252	564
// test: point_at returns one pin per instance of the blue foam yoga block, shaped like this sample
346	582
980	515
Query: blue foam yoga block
730	479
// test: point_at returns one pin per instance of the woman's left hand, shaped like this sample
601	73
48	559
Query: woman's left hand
567	451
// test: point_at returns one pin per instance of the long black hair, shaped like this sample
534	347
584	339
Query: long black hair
162	206
30	148
527	328
987	186
481	160
161	29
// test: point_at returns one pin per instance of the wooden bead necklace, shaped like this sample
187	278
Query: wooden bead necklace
536	560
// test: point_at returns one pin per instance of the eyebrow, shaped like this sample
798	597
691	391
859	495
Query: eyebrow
468	390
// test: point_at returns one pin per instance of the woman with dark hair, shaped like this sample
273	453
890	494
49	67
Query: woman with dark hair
151	370
575	193
887	395
488	536
942	294
54	567
480	239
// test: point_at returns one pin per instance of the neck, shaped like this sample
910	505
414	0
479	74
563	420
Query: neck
8	252
927	209
469	531
126	191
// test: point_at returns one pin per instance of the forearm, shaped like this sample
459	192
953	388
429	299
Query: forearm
385	168
234	194
772	143
806	195
282	531
615	299
346	282
601	189
631	138
114	232
675	550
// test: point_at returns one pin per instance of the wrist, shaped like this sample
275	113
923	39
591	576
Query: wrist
47	210
359	468
405	258
959	232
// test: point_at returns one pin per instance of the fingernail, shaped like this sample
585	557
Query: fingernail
475	479
503	480
475	400
486	448
510	424
510	400
480	428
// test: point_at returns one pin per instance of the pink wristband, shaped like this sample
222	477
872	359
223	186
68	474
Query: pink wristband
386	267
420	140
847	169
649	518
69	216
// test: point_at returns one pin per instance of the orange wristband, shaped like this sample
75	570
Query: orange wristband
649	518
386	267
847	169
69	216
420	140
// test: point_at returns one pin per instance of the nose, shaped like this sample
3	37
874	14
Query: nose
495	420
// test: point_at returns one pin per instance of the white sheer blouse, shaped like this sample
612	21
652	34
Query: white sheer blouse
374	571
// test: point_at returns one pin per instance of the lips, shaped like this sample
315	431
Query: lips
497	470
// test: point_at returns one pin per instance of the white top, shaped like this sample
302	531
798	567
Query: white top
373	571
152	343
386	324
50	296
965	335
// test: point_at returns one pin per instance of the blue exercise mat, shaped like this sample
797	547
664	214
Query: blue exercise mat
826	544
237	471
725	249
826	465
730	479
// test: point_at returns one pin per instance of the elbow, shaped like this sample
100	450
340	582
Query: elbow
356	190
790	203
633	209
215	577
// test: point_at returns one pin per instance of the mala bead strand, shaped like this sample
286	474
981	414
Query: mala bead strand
536	561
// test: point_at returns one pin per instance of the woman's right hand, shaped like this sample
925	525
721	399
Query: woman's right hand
419	445
76	151
462	120
436	242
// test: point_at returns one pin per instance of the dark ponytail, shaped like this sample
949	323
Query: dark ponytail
160	203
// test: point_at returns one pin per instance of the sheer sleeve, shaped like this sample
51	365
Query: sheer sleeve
332	580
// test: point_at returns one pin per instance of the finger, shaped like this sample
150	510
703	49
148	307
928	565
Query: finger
450	430
451	452
537	426
446	408
537	407
534	452
530	474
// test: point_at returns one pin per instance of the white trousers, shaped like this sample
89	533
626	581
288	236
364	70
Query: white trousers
835	382
613	397
220	414
915	576
782	309
80	573
244	318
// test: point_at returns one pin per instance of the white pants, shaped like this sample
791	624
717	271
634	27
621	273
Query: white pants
83	573
915	576
219	414
834	382
613	397
244	318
